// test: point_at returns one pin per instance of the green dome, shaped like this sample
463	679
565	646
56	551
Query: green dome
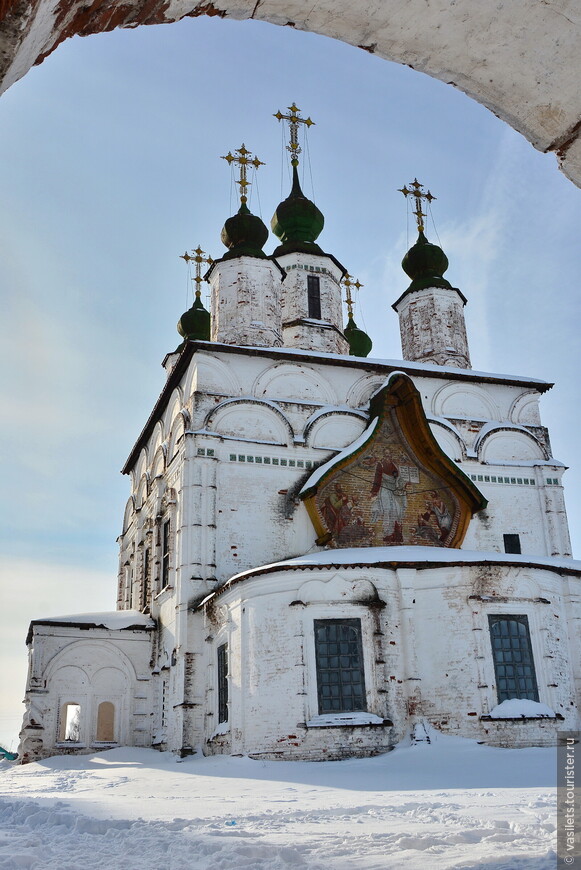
297	222
195	323
425	264
244	234
359	342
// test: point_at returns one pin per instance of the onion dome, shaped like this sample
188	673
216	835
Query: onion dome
195	323
359	342
297	222
244	234
425	264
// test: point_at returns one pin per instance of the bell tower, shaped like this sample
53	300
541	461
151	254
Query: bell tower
431	311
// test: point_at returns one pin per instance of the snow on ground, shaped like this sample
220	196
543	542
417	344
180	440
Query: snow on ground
450	804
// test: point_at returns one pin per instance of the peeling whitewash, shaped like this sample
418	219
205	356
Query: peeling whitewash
221	652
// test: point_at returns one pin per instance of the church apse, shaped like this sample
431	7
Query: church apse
393	485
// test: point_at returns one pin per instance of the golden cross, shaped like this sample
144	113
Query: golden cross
244	159
417	192
348	283
294	120
198	260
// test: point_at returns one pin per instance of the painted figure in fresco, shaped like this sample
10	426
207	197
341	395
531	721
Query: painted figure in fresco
437	509
336	510
389	492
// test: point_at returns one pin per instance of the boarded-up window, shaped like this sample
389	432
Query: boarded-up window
106	723
70	723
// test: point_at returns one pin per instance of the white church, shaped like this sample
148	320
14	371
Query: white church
323	552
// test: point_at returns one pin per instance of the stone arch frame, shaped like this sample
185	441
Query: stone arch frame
452	431
281	417
208	373
517	413
521	73
486	436
177	431
317	421
128	514
360	392
475	391
90	650
172	410
324	391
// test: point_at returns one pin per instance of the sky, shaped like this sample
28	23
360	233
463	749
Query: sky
110	169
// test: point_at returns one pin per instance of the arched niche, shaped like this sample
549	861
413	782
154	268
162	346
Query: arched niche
334	430
514	58
525	409
506	445
172	410
129	513
448	438
294	381
464	401
250	419
210	374
177	431
362	390
337	588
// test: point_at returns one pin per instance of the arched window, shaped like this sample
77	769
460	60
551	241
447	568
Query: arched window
70	723
105	723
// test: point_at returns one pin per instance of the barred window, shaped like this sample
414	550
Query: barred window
314	296
339	658
165	554
145	585
223	683
513	658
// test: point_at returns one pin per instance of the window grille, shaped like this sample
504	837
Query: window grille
513	658
314	296
165	555
339	658
223	683
145	587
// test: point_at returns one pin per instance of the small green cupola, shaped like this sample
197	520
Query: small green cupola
359	342
425	264
195	322
244	234
297	221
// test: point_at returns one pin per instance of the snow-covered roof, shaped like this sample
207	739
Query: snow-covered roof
116	620
418	557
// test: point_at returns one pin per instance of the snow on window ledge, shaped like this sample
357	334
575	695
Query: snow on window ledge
519	709
337	720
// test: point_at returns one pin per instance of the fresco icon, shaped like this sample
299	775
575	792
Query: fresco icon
395	486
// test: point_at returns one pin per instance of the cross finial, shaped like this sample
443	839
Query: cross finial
294	119
416	190
348	283
198	258
244	159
